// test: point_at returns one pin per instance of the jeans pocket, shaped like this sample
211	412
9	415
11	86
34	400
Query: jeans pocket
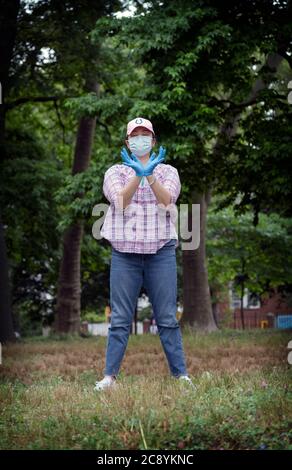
170	242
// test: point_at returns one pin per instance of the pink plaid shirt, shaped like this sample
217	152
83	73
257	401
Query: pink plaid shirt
142	227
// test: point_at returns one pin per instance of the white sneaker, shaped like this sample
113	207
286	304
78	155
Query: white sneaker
186	379
107	382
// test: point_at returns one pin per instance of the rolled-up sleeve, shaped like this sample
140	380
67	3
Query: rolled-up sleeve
112	184
172	183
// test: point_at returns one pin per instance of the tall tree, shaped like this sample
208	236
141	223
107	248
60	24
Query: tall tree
81	18
69	289
198	311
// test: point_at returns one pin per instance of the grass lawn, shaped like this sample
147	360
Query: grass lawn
243	398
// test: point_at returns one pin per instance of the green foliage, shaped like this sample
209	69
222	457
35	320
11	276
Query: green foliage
31	319
77	196
201	60
236	246
188	66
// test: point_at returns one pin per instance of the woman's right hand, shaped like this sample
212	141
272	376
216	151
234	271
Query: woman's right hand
133	162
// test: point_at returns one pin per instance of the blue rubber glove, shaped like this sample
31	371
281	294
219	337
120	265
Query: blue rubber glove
139	168
154	161
133	162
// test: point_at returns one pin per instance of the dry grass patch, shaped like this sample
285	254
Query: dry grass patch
243	397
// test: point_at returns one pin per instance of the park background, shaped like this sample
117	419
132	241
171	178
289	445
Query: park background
214	78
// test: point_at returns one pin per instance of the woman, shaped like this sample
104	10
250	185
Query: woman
143	238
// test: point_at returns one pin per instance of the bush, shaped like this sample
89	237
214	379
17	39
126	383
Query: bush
93	317
145	313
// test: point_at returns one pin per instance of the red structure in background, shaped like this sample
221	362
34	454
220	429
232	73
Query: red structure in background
254	317
261	313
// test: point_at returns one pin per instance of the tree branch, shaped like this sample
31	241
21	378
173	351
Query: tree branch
34	99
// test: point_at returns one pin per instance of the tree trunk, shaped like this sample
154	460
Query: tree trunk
8	24
197	307
68	297
241	306
6	324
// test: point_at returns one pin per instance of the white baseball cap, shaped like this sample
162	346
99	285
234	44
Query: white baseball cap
139	122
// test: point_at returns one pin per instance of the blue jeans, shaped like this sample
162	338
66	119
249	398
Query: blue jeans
158	273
